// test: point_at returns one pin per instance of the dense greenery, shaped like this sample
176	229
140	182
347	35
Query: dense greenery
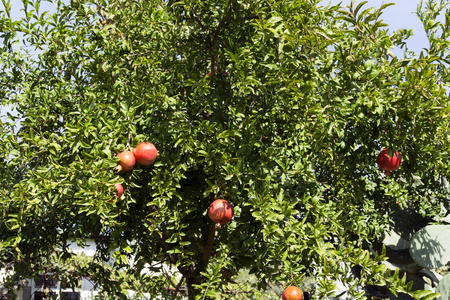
280	107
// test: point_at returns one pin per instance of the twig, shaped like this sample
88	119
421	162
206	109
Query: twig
177	288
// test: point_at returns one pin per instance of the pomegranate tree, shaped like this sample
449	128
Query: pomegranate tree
126	162
387	163
145	153
220	211
292	293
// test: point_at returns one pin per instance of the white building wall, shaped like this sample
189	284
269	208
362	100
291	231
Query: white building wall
88	250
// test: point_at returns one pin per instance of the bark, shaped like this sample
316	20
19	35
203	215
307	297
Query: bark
192	275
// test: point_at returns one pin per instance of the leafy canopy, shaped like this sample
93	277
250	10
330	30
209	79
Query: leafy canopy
280	107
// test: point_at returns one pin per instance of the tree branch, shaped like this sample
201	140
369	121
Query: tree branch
209	244
177	288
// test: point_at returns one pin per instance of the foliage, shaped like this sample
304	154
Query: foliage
279	107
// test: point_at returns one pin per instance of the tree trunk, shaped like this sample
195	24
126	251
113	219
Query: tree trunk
192	275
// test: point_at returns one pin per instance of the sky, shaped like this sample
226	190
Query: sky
398	16
401	15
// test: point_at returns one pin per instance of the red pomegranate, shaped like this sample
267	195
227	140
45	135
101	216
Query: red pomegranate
119	190
387	163
220	211
292	293
228	274
126	163
119	193
145	153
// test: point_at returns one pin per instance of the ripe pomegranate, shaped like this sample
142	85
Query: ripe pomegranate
145	153
292	293
126	163
220	211
228	274
119	189
387	163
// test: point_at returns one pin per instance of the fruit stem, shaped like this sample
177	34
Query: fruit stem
387	172
117	169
